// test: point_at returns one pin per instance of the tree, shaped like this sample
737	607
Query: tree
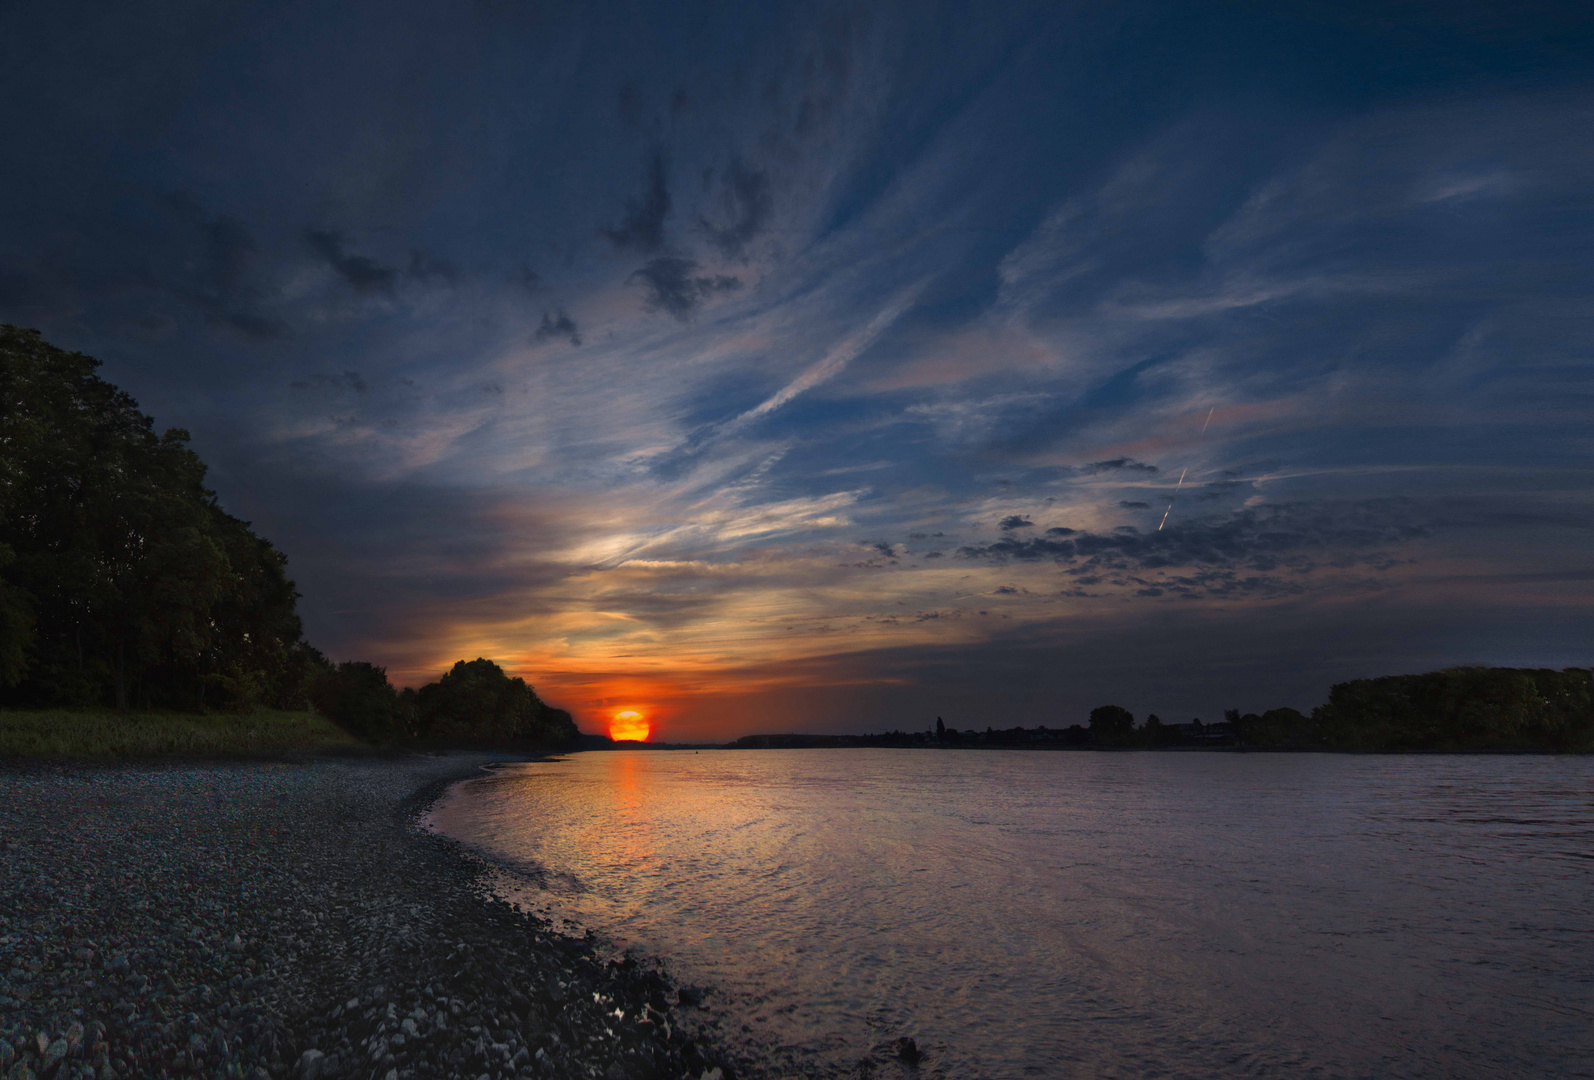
478	702
122	581
357	697
1111	725
1155	733
1464	708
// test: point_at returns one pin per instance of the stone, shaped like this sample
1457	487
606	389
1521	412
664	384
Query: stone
907	1051
52	1056
309	1066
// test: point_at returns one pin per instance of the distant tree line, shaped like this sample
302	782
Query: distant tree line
124	584
1462	708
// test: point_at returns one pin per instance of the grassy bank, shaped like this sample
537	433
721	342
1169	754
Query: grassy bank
100	735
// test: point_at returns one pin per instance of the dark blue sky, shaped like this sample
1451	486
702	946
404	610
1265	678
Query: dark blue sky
834	367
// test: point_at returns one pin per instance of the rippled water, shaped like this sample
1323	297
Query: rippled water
1085	914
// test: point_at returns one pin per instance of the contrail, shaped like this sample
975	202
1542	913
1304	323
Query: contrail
837	358
1176	488
1180	484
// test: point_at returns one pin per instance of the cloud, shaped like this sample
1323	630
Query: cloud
642	228
748	202
1298	537
673	285
220	279
348	380
1128	504
560	325
365	274
424	266
1016	521
1122	464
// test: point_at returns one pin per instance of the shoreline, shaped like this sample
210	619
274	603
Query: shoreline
272	920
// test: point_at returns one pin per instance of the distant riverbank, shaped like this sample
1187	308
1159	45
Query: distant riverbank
270	920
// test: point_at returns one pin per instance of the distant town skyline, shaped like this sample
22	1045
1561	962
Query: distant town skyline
791	367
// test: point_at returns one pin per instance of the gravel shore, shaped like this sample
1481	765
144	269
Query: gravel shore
277	920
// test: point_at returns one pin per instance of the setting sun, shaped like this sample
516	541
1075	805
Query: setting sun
629	725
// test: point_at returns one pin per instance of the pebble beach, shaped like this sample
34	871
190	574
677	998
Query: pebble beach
274	920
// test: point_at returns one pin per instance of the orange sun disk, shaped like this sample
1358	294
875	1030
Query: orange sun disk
629	725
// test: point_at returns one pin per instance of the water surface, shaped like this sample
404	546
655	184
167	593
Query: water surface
1085	914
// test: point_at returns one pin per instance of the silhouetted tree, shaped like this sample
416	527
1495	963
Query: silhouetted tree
1466	708
478	702
357	697
1111	725
121	579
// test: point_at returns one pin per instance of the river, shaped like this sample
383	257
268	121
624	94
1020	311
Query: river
1083	914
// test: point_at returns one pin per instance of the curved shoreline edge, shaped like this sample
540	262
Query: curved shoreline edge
270	921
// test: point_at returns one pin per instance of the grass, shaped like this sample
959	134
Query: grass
101	735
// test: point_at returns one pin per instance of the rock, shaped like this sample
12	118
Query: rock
309	1067
53	1055
20	1072
907	1051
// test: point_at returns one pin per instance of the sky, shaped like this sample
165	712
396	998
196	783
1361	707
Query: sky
827	367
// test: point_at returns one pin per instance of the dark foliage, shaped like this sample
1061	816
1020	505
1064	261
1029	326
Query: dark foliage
1276	729
358	698
1467	708
475	702
1111	725
121	580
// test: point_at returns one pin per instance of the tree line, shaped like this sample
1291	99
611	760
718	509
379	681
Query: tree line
124	584
1461	708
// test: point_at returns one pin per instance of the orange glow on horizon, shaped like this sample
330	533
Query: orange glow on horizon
628	725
